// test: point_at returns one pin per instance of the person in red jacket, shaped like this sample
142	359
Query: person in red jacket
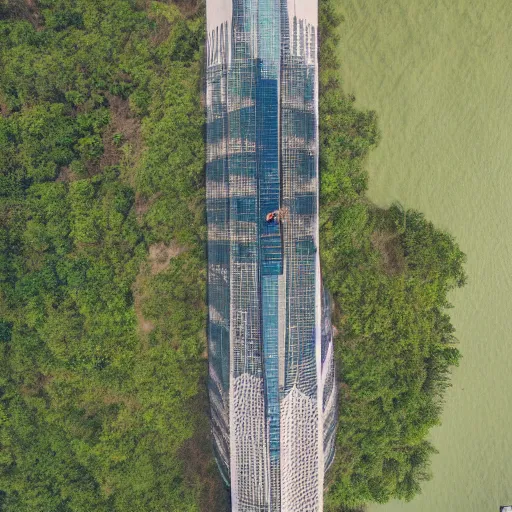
272	217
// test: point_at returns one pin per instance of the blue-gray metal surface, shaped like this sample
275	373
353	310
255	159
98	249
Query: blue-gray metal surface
272	385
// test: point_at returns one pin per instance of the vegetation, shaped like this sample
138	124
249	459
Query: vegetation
102	365
102	398
390	272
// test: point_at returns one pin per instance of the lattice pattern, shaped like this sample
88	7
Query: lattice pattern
272	385
249	477
300	456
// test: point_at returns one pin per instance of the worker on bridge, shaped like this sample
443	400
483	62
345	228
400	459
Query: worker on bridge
275	217
272	217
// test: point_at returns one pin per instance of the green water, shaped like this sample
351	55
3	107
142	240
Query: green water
439	74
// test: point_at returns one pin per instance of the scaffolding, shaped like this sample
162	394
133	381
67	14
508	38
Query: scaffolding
272	385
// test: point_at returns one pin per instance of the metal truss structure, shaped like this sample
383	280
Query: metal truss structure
272	385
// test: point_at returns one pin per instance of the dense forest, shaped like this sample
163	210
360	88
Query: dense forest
103	356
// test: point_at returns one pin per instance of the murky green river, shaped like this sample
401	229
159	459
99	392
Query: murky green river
439	74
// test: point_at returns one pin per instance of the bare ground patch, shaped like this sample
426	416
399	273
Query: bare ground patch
66	175
122	139
188	7
160	255
161	32
139	296
24	9
390	249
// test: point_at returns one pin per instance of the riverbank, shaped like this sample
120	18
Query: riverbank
390	272
438	75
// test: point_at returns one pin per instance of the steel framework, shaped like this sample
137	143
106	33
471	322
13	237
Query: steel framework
272	385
